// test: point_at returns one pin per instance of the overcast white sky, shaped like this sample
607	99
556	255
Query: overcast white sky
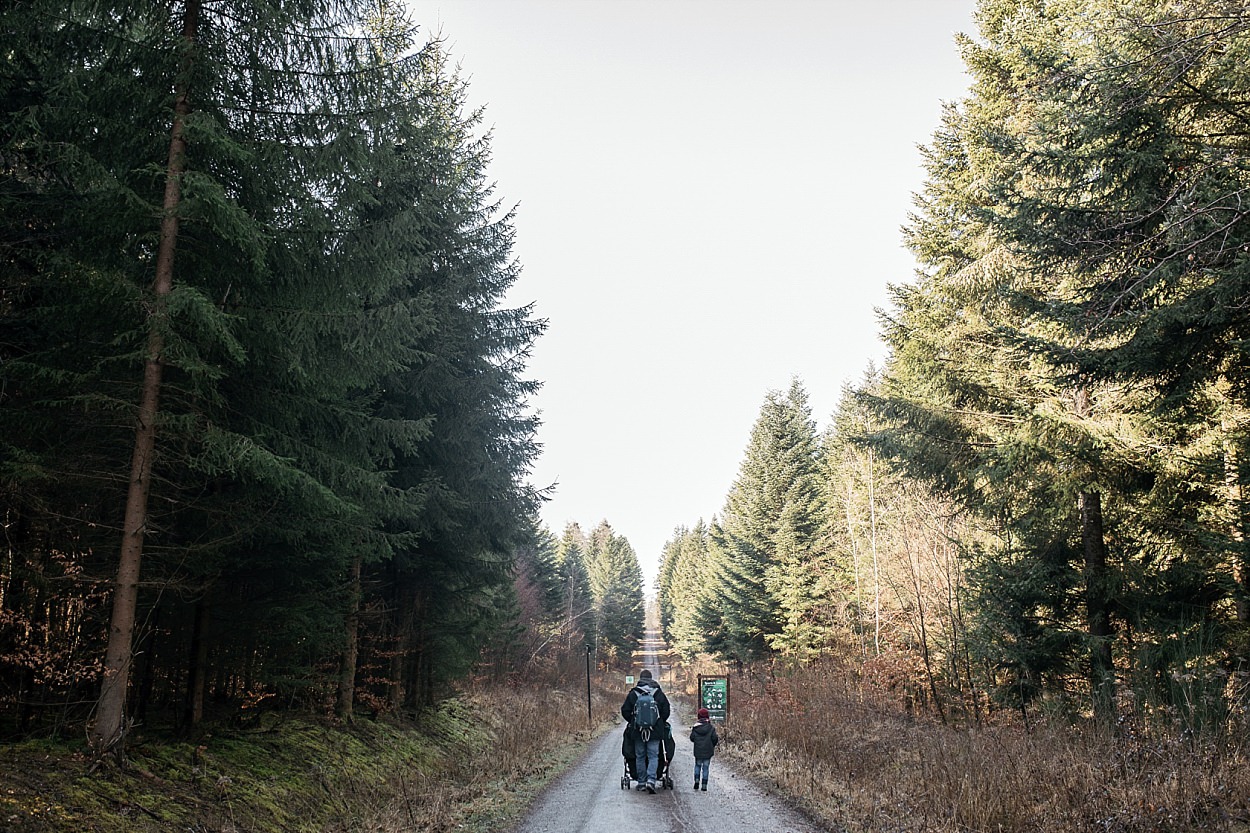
710	195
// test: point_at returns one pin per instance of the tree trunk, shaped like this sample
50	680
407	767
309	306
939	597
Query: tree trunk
876	565
402	619
197	665
110	726
922	628
417	678
347	671
1097	601
1097	607
147	667
859	594
1239	518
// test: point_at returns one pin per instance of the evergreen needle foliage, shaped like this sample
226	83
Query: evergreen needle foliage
1040	500
283	210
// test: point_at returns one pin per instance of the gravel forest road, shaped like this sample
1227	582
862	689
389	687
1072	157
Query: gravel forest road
589	798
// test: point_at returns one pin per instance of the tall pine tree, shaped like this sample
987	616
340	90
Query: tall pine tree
768	531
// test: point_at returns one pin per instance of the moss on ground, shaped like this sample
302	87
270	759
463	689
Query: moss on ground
291	775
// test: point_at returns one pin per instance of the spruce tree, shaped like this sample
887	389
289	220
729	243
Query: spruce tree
1045	237
1119	176
688	589
340	395
195	248
615	579
767	531
463	378
577	604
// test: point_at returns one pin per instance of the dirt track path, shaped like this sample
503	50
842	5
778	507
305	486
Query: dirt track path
589	798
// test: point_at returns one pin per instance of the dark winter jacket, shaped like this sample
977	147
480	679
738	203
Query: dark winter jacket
667	742
705	740
661	700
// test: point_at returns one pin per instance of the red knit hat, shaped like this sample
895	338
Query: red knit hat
703	714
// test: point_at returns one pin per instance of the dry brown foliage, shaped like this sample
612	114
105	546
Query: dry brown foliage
862	764
483	780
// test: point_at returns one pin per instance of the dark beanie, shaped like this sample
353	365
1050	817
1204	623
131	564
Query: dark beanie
645	675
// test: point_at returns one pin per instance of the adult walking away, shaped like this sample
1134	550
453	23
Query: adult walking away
647	709
704	737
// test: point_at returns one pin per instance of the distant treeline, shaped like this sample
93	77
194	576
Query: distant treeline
578	592
1042	495
263	425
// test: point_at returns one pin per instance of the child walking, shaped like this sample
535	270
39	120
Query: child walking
704	736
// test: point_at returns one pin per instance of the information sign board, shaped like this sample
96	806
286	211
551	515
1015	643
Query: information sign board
714	695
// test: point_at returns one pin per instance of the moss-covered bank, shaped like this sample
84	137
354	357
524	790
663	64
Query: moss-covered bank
470	767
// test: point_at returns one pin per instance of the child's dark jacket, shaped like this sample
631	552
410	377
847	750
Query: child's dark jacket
705	740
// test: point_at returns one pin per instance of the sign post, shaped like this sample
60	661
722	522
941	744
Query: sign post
714	695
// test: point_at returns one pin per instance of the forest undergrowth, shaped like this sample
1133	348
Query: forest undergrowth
858	765
473	766
836	748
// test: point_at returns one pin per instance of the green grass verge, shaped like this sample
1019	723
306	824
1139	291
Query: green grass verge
290	775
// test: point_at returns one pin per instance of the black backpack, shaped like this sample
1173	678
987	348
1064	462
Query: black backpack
646	713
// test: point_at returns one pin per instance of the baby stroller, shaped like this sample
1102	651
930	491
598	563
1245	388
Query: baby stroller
668	747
